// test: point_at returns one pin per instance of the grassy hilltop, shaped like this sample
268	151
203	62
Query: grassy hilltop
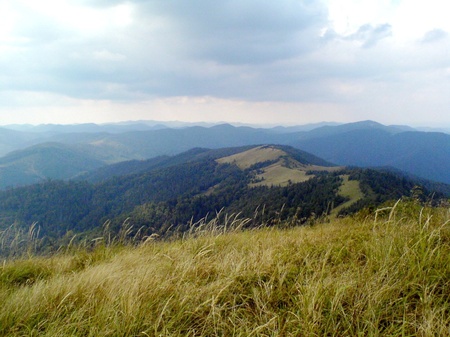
380	274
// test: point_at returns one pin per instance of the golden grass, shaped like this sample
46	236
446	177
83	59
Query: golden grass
283	171
253	156
279	175
384	277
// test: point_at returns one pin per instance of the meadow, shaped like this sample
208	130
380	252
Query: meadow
382	273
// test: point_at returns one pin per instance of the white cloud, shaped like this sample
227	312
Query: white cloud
70	15
410	19
413	18
348	16
434	35
105	55
7	20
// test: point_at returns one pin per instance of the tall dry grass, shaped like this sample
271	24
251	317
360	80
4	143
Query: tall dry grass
387	275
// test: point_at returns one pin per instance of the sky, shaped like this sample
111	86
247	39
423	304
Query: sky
284	62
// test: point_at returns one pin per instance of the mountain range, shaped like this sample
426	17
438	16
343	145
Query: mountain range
33	154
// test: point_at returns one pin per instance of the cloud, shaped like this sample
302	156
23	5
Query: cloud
434	35
369	35
236	32
288	51
230	50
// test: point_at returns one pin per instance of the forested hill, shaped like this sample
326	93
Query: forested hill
195	154
269	184
65	152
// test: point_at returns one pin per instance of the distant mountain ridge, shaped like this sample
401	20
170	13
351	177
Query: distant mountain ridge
365	144
426	155
44	161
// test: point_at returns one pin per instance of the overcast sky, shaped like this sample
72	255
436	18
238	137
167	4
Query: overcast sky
264	62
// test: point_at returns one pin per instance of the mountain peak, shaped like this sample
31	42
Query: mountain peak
276	165
368	123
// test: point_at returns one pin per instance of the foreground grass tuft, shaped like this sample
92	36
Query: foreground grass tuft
383	276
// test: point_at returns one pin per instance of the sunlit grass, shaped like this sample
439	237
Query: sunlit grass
383	276
253	156
279	175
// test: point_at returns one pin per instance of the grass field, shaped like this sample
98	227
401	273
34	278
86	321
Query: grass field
351	190
387	274
279	175
253	156
283	171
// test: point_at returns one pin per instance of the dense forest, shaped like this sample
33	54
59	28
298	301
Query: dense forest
170	194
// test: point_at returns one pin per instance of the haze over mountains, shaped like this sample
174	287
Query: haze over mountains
32	154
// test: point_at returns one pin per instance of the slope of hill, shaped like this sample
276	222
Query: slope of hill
274	166
381	276
108	148
160	162
426	155
41	162
11	140
171	192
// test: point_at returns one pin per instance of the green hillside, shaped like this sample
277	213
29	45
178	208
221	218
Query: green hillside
378	274
164	196
45	161
351	190
276	167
